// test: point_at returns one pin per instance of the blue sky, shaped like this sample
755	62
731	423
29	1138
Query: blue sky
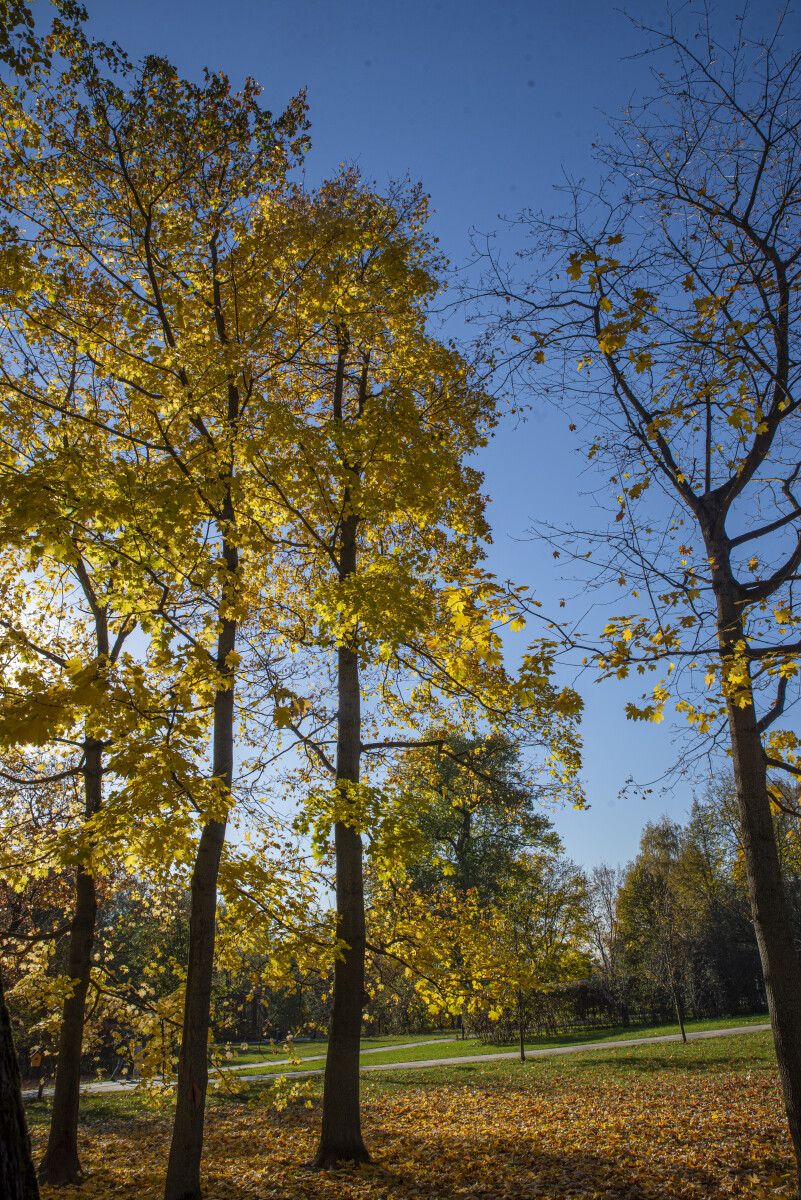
490	103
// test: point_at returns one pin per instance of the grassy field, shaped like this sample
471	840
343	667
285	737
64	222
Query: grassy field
472	1046
265	1054
656	1122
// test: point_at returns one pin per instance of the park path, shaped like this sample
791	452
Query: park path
277	1062
420	1064
457	1060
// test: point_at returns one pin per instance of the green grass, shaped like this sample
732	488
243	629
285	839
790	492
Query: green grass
265	1055
724	1055
461	1049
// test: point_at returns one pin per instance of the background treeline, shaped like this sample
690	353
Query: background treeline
673	931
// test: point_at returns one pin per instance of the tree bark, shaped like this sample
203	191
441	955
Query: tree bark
772	925
679	1014
17	1172
61	1164
186	1147
341	1132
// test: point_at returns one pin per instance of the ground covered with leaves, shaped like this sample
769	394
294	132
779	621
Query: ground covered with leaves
645	1123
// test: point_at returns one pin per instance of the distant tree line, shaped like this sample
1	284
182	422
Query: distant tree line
672	932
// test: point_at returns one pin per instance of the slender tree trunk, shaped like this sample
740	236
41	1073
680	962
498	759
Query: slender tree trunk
341	1133
520	1026
186	1148
61	1164
772	925
679	1014
17	1172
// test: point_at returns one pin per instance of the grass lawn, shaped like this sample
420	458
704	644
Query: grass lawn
460	1049
657	1122
265	1054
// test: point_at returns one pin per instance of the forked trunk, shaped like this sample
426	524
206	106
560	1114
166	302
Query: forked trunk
17	1172
186	1148
341	1133
61	1164
774	933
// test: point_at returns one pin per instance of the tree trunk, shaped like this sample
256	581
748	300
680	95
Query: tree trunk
774	933
520	1027
17	1172
679	1014
186	1147
61	1164
341	1129
341	1133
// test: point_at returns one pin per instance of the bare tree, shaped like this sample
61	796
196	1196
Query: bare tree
675	288
606	938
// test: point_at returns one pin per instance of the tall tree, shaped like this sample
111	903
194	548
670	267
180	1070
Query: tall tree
658	913
149	199
64	687
675	291
388	527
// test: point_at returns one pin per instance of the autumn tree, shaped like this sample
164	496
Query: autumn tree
543	924
68	685
150	339
480	835
674	291
659	914
24	53
51	705
289	445
386	581
17	1172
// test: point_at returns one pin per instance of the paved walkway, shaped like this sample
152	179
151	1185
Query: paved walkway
276	1062
457	1060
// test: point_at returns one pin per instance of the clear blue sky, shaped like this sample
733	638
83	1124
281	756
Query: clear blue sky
489	103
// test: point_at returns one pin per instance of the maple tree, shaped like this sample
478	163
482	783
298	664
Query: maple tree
386	524
674	290
17	1171
25	54
236	380
482	905
478	958
68	141
67	683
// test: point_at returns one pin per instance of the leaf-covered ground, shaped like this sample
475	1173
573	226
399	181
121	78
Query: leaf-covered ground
701	1121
